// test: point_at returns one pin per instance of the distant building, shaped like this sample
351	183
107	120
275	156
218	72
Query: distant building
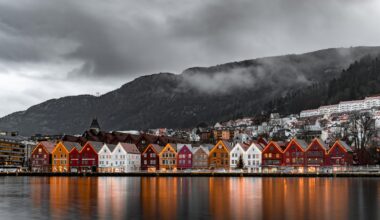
344	106
12	152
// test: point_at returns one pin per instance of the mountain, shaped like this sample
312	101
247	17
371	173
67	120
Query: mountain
199	94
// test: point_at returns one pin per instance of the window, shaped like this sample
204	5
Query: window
39	150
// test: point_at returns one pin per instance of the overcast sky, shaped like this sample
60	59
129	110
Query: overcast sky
54	48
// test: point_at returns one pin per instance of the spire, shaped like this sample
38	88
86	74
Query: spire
95	125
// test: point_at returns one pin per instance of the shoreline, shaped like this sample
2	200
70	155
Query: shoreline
203	174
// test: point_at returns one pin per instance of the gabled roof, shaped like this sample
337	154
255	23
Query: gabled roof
111	147
48	145
130	148
243	146
180	146
173	146
343	144
157	148
257	145
320	143
273	143
224	143
301	143
96	145
71	145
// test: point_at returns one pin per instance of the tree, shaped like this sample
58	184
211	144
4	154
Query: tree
240	164
362	129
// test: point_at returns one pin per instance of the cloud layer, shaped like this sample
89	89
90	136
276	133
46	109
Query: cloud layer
55	48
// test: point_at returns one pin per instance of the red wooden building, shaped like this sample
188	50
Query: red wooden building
294	154
89	156
41	157
150	157
74	158
339	155
184	157
272	156
316	154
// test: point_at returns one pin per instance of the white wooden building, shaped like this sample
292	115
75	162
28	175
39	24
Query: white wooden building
105	158
252	157
126	158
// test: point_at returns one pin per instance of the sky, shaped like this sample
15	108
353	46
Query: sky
55	48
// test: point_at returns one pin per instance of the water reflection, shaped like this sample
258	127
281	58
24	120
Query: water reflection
189	198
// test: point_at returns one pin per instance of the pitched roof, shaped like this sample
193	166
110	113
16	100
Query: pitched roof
301	143
323	145
258	145
174	146
130	148
110	146
49	146
344	145
244	146
71	145
96	145
180	146
156	147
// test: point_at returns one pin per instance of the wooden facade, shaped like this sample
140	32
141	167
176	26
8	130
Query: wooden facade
184	157
219	156
41	157
272	155
89	156
150	157
60	157
340	154
294	154
316	155
200	156
168	157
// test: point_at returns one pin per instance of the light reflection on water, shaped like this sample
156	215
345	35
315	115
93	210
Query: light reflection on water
188	198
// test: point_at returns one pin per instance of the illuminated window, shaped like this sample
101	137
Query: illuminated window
39	150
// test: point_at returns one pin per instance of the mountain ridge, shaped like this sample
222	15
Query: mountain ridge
198	94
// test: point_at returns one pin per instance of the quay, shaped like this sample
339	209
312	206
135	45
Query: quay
193	174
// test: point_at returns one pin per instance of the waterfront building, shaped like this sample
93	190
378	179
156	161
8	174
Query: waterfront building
75	158
184	156
41	157
12	152
150	157
294	154
219	156
168	157
105	158
272	157
316	154
126	158
60	155
200	156
253	156
237	153
89	156
339	156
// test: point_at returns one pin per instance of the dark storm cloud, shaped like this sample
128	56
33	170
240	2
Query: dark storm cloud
136	37
120	39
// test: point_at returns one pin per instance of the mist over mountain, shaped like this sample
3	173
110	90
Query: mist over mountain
198	94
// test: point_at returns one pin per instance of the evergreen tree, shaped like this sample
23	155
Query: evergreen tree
240	164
